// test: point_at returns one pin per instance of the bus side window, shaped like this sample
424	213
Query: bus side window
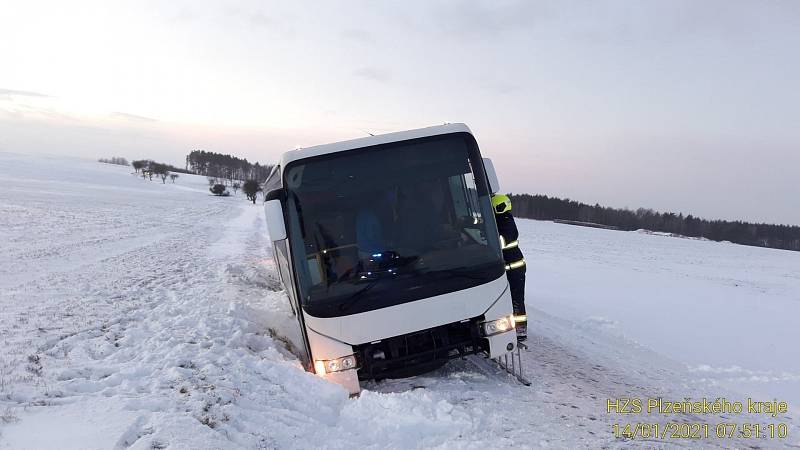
465	203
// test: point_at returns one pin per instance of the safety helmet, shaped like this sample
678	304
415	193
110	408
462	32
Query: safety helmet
501	203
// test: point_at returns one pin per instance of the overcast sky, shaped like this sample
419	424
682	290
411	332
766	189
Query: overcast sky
689	106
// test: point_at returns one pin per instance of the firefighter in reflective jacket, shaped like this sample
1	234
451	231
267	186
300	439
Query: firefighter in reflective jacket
515	263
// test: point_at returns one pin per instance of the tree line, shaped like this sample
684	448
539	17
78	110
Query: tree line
225	167
543	207
118	160
147	168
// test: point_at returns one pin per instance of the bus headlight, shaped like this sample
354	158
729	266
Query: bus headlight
498	326
321	367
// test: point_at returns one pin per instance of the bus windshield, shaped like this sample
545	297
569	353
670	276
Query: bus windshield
384	225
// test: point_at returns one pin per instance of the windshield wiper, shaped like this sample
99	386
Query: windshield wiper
357	296
400	263
455	273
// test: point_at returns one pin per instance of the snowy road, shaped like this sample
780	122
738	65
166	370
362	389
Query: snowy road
140	315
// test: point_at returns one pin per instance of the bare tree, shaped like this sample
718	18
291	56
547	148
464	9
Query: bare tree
251	188
173	176
236	186
118	160
160	170
138	165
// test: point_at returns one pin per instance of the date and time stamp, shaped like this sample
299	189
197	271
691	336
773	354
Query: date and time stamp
655	418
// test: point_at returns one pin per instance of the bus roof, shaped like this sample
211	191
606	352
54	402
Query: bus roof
302	153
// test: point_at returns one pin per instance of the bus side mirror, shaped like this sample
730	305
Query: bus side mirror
491	176
275	224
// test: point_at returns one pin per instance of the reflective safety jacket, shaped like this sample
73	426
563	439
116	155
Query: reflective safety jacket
512	255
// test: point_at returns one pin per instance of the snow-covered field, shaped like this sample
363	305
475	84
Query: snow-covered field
136	314
729	312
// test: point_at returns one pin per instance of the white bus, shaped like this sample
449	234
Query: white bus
388	250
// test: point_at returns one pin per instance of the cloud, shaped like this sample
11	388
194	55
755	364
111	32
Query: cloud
357	35
15	93
276	23
262	20
488	18
373	74
500	87
132	117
